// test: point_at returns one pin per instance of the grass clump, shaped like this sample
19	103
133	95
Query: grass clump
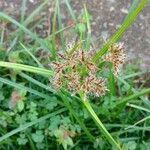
85	86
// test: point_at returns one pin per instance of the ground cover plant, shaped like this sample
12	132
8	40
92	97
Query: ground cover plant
57	94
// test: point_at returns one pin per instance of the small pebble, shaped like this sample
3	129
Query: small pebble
112	8
104	35
125	11
32	1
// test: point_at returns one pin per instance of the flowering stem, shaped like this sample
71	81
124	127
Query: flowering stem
100	124
118	34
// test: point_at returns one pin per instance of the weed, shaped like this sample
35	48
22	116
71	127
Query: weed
84	86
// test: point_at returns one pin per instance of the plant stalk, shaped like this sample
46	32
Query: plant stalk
100	124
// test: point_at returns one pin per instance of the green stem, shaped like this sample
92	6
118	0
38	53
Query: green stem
100	124
67	104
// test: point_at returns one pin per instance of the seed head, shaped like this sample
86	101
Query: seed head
116	56
76	72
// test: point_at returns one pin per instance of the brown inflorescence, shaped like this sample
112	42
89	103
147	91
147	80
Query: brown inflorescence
116	56
76	72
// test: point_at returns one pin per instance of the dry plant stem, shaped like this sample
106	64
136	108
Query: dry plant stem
100	124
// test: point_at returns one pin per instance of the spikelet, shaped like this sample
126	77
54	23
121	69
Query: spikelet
94	86
116	56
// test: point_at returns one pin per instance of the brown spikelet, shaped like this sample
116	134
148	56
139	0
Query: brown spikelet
116	56
95	86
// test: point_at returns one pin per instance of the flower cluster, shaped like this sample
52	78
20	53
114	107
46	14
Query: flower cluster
116	56
76	72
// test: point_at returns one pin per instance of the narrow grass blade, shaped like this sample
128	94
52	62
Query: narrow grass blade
88	39
70	11
61	30
2	34
35	12
54	28
34	58
13	43
138	107
133	130
36	82
125	140
27	125
60	26
128	86
135	74
111	83
32	145
22	87
134	5
132	97
32	35
23	11
30	17
142	120
118	34
116	125
21	67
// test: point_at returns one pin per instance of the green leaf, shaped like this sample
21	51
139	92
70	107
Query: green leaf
80	27
64	140
1	96
20	105
22	140
54	123
28	68
70	11
21	87
38	137
67	142
32	105
2	53
131	145
29	124
51	105
123	101
21	119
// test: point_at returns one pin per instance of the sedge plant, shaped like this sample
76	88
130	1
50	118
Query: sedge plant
77	70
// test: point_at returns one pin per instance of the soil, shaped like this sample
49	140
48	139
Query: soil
107	15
